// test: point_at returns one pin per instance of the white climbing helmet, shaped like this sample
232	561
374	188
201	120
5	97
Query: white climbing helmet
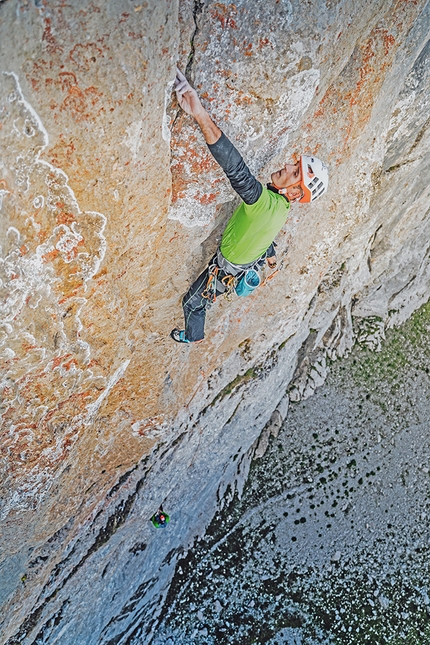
314	178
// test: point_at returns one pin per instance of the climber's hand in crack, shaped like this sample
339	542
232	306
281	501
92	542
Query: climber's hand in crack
187	96
189	101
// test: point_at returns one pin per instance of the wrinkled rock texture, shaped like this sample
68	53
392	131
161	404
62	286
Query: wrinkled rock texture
110	207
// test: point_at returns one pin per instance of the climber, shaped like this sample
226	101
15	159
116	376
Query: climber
247	240
160	519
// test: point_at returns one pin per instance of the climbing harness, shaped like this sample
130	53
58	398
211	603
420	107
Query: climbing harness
240	279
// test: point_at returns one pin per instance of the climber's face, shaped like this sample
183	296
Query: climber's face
289	175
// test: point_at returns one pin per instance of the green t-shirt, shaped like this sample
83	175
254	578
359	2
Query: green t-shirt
252	228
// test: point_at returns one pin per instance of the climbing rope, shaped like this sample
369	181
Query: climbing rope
272	275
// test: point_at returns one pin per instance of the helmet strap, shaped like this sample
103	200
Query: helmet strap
276	190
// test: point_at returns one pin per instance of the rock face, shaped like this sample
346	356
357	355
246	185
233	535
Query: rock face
110	207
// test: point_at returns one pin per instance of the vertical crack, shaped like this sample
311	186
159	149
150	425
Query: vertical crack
197	11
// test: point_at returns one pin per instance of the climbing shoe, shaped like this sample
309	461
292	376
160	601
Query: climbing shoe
179	336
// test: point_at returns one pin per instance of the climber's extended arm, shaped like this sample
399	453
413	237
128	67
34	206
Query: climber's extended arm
190	102
241	178
230	160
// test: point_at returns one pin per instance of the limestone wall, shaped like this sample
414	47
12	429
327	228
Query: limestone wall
110	207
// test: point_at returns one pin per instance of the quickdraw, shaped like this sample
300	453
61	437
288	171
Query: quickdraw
210	291
229	281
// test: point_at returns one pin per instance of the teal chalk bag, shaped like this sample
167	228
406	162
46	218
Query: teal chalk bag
248	282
